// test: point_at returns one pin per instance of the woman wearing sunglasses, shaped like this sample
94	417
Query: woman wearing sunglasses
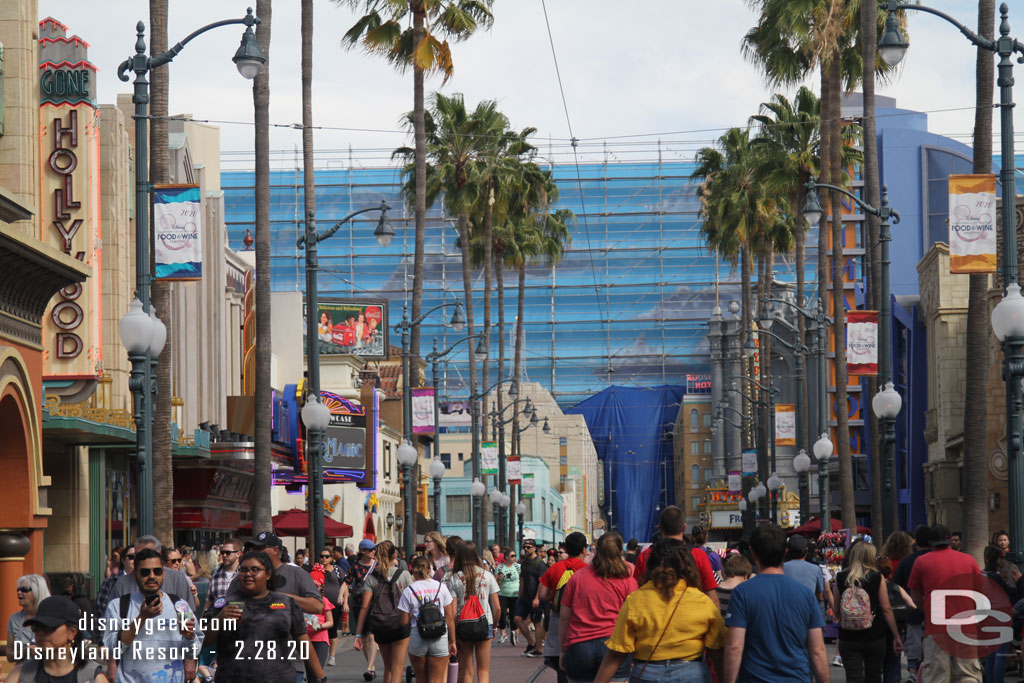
332	591
269	633
55	625
32	590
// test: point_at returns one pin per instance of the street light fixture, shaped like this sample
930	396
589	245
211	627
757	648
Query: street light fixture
520	513
407	459
1012	340
802	463
743	505
384	232
885	214
248	59
546	428
437	470
822	452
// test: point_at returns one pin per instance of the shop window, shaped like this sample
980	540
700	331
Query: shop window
457	509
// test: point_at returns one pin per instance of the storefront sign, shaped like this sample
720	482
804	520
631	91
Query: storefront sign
489	457
726	519
785	424
70	221
345	438
972	223
862	343
177	232
354	326
423	411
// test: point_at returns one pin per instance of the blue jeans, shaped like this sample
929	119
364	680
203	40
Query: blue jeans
670	671
582	660
995	664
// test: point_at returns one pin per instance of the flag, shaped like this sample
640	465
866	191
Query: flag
785	424
528	485
735	482
177	232
489	457
862	343
514	470
423	411
972	223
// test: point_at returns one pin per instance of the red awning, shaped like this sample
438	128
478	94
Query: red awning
813	527
295	522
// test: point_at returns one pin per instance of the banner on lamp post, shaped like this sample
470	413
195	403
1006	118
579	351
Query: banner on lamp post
528	485
177	232
862	343
972	223
514	470
735	482
489	457
749	463
423	411
785	424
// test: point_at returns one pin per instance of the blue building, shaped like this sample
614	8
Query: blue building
544	519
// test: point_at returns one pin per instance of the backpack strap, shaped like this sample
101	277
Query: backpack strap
126	601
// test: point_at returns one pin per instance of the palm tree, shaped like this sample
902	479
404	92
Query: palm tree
261	104
308	173
159	172
383	30
978	334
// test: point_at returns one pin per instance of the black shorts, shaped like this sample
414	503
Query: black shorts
332	632
524	610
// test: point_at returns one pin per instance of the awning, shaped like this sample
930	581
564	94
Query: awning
295	522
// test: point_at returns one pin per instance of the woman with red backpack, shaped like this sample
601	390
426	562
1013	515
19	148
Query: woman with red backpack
864	616
380	615
476	595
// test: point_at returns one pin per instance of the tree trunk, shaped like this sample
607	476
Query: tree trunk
308	176
976	347
745	318
419	16
826	177
848	512
499	279
488	250
517	364
467	288
261	104
159	172
872	254
796	208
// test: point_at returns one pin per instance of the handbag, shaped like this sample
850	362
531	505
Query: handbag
663	631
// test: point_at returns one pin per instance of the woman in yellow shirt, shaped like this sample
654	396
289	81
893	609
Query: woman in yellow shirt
667	625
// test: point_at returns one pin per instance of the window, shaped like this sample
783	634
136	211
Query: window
707	446
707	420
695	502
528	516
552	516
457	509
563	441
543	511
708	474
694	419
460	457
387	459
695	448
446	460
695	477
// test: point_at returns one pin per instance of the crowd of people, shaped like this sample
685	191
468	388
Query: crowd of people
673	610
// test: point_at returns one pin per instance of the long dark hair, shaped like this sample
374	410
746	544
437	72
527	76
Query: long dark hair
607	562
670	561
466	561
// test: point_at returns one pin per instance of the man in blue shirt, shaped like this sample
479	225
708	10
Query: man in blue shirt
802	571
775	626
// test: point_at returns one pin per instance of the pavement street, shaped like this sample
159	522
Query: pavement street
507	666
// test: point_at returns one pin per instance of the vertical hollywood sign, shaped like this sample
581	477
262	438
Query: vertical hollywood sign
66	315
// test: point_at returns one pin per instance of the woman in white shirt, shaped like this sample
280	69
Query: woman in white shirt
469	578
429	657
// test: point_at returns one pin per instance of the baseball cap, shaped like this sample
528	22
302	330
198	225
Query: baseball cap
940	535
367	544
797	543
55	611
267	539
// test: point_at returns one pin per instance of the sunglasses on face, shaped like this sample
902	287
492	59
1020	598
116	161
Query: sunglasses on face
24	589
174	560
228	552
325	557
40	628
250	570
130	557
146	571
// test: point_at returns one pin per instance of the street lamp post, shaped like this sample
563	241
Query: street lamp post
520	512
770	506
437	474
822	452
477	489
248	59
315	434
1007	317
407	459
887	402
498	427
802	463
475	399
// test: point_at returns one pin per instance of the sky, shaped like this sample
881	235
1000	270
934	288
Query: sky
633	75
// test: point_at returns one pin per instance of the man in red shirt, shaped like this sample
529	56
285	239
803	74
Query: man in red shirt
551	586
672	524
932	571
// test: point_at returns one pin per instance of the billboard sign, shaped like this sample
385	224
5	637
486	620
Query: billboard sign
454	414
345	438
353	326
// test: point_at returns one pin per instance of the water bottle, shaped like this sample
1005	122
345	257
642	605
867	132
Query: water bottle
453	669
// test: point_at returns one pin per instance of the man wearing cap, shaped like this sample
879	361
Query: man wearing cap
798	568
289	579
935	570
161	640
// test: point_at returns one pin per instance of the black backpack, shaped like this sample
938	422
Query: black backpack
431	622
900	609
385	617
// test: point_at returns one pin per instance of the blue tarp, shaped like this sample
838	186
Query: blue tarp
632	431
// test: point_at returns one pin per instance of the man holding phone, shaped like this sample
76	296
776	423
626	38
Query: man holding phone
159	639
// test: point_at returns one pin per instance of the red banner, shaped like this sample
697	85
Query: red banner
861	343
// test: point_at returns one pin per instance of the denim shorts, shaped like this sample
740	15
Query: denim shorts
670	670
583	659
418	647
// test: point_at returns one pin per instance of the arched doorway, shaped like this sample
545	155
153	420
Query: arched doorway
14	461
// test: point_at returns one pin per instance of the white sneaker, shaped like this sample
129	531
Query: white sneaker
837	661
330	661
503	639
